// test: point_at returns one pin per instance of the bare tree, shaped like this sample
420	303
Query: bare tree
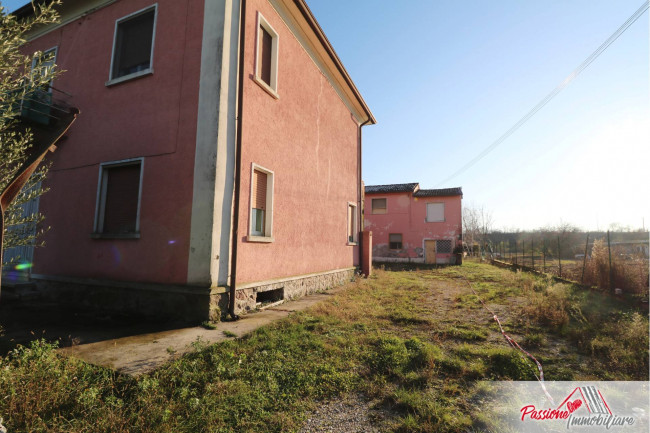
477	226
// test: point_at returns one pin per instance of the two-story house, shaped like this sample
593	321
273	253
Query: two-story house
413	225
216	164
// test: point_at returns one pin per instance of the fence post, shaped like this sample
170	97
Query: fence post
609	249
532	252
515	262
584	260
523	252
544	254
559	256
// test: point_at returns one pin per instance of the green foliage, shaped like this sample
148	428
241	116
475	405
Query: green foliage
20	76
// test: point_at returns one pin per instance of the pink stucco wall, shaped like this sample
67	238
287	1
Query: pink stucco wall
308	138
406	214
154	117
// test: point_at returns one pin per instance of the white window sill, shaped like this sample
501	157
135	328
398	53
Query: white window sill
268	89
261	239
352	244
129	77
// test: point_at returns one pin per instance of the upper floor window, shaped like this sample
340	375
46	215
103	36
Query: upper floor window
378	205
133	45
435	212
266	56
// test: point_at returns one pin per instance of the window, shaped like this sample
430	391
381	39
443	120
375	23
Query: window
133	45
266	57
435	212
395	241
352	223
261	210
378	205
443	246
36	106
118	200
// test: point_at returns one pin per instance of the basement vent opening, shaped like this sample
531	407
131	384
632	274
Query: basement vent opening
270	297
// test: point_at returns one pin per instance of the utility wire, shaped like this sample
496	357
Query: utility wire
635	16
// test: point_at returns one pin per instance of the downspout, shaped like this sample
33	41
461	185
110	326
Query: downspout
361	208
238	147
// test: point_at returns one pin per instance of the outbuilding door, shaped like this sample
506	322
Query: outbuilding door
430	252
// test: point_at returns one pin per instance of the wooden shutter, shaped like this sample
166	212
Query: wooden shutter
258	199
265	55
121	200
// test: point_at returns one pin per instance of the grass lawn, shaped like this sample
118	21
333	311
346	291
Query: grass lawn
416	343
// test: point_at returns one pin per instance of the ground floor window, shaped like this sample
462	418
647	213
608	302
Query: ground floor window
118	199
352	223
443	246
395	241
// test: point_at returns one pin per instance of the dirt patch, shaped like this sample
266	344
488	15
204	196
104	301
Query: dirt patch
354	414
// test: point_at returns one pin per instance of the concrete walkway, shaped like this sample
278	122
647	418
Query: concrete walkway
141	354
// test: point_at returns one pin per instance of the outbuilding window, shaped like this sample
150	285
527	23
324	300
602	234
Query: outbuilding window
378	205
443	246
435	212
395	241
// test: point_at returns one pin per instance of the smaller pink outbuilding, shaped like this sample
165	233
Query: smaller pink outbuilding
414	225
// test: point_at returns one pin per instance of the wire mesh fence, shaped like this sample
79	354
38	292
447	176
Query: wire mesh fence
605	260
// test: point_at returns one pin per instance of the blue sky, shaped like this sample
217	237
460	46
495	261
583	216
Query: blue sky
446	78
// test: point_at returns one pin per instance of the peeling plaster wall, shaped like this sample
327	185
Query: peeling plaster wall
406	214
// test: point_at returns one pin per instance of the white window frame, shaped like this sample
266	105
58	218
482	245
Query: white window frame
426	218
100	205
137	74
271	89
268	220
355	217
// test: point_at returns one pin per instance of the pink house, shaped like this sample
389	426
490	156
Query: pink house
216	163
414	225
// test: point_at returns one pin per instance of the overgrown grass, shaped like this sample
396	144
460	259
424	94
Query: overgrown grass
416	343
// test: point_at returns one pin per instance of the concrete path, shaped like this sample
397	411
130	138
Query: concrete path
141	354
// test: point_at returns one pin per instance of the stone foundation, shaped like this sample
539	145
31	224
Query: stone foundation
293	287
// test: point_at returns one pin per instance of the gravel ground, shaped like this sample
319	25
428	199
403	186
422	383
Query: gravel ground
351	415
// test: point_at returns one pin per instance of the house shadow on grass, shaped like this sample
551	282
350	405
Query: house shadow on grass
22	321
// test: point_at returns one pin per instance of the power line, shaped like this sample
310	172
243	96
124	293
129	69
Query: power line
635	16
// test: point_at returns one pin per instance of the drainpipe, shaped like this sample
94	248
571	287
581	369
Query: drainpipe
361	209
240	104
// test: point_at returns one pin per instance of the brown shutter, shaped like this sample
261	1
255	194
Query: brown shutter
265	55
121	201
258	199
